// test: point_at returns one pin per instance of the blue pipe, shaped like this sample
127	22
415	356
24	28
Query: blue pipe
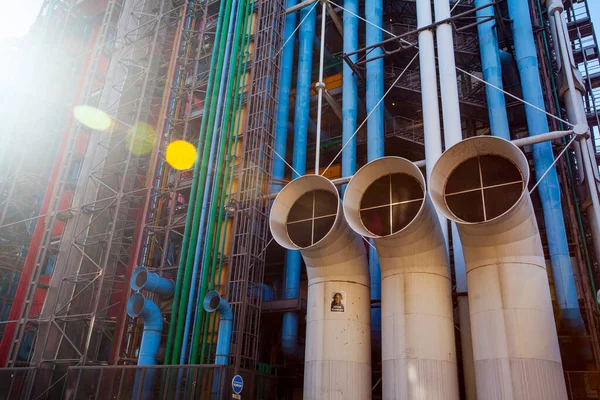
139	306
492	71
213	302
142	279
289	329
375	139
349	89
209	173
289	332
303	82
375	134
285	86
549	190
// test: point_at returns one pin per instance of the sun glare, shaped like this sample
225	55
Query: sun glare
181	155
92	117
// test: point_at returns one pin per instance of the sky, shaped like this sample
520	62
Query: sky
17	16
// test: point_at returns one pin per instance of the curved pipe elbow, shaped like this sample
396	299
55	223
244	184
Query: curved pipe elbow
509	295
417	236
213	302
140	306
415	278
336	250
142	279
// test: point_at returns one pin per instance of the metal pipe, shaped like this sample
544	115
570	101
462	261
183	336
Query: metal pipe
492	70
447	71
302	107
429	91
338	334
375	137
299	6
549	189
526	141
320	86
213	302
214	143
142	279
301	120
140	306
289	329
184	272
349	89
513	328
419	355
224	145
283	103
573	98
223	245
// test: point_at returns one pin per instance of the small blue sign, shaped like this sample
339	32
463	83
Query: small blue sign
237	384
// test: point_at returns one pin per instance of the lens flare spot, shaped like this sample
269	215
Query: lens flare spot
92	117
141	139
181	155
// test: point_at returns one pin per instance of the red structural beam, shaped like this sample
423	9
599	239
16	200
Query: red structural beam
38	233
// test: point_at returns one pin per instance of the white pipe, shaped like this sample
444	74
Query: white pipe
573	99
515	344
338	339
418	348
453	135
429	90
447	68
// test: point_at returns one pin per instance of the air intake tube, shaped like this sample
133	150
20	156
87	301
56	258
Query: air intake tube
481	184
140	306
307	216
387	202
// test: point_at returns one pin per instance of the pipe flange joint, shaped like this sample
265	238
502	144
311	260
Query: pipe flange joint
582	131
320	85
554	6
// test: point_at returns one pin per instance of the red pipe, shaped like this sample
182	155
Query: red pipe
38	233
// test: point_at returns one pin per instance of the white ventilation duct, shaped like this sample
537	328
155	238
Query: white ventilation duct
307	216
386	201
481	184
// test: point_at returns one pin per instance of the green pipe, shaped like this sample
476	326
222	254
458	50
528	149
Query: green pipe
192	218
229	174
179	282
214	196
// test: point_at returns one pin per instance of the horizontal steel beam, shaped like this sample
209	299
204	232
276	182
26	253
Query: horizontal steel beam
530	140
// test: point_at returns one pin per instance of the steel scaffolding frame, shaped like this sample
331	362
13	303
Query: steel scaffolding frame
163	218
23	182
89	284
250	220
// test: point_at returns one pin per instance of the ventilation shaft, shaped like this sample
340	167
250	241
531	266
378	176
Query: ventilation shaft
386	201
307	216
481	184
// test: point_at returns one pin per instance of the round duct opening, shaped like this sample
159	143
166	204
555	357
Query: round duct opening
214	302
135	305
390	203
483	188
141	278
311	217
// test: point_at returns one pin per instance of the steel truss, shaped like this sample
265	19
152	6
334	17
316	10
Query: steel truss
89	285
41	94
250	220
164	215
